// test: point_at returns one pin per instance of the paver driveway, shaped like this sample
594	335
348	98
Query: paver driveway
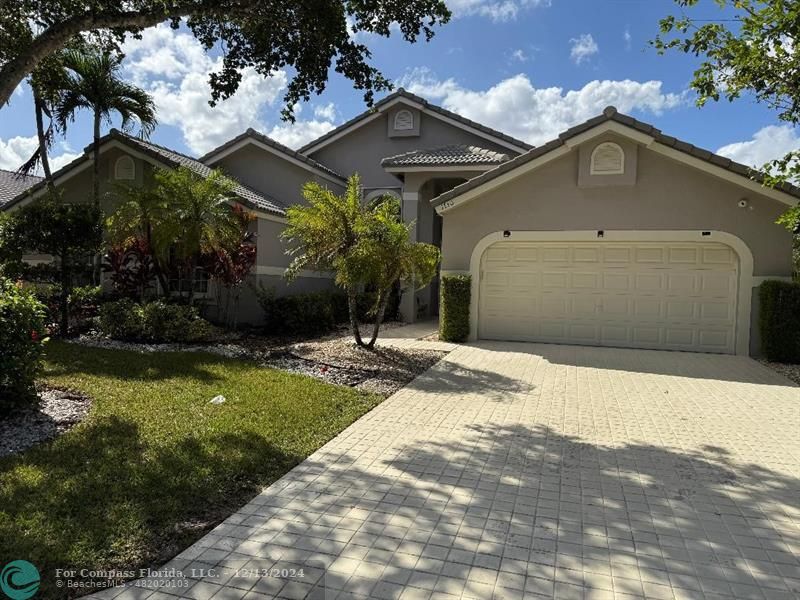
525	470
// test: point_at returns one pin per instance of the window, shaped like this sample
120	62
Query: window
607	159
125	168
403	120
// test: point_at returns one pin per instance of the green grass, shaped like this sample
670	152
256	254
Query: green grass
155	465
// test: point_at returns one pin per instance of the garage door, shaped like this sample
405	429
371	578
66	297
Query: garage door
678	296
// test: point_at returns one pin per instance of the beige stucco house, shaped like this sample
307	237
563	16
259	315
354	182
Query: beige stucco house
612	234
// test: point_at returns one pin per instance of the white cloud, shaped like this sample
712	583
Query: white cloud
326	112
519	55
626	35
17	150
583	47
538	115
496	10
768	143
299	133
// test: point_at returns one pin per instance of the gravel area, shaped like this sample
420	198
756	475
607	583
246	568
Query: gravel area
57	411
785	369
334	358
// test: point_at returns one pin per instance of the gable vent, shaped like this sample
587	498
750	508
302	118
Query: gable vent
607	159
125	169
403	120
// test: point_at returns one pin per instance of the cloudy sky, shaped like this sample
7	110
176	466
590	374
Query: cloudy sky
530	68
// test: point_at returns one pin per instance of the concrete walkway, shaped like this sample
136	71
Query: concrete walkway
533	471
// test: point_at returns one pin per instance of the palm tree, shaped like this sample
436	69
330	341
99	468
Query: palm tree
199	218
92	82
363	244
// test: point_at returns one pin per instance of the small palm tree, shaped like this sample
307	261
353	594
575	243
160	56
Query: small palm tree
199	218
92	82
364	245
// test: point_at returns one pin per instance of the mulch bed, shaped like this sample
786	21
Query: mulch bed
785	369
334	358
57	412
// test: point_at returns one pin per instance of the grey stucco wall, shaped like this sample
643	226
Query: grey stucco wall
362	149
667	196
271	174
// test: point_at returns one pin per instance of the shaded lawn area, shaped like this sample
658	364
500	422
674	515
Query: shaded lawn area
155	465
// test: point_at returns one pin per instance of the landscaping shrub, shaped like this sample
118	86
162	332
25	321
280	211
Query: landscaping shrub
153	322
454	308
300	314
21	339
779	321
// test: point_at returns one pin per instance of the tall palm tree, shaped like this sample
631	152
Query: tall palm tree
93	82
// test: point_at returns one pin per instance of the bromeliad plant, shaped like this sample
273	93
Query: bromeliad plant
364	245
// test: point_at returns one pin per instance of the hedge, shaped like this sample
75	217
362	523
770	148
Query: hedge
21	338
779	321
454	308
156	321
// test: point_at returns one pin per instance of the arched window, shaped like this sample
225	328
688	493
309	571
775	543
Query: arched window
608	158
403	120
125	168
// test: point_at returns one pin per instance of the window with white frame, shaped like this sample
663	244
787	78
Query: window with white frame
403	120
607	158
125	169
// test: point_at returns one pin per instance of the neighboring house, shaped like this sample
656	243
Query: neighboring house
613	234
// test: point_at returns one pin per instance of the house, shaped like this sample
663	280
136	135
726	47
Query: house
612	234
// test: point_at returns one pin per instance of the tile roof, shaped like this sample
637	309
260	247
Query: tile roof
13	184
173	159
453	155
611	114
257	135
401	93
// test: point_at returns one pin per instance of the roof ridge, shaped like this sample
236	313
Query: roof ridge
403	93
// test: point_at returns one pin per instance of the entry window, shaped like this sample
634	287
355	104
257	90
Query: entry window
404	120
608	158
125	169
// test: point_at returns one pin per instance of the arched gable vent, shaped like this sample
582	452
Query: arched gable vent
403	120
125	168
608	158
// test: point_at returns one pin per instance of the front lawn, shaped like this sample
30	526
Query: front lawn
155	465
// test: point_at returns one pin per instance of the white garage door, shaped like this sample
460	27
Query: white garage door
678	296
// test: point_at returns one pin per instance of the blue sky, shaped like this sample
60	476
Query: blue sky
530	68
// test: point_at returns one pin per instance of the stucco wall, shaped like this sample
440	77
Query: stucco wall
362	149
667	196
270	174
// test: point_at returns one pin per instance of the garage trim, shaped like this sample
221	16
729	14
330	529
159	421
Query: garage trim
745	284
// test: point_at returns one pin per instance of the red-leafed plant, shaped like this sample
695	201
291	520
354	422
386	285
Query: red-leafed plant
131	267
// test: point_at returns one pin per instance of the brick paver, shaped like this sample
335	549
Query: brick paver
534	471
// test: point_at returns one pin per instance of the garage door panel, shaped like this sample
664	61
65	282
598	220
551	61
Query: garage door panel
680	296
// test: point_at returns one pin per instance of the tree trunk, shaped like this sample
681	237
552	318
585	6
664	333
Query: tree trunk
383	300
38	106
64	298
162	280
96	161
352	308
192	263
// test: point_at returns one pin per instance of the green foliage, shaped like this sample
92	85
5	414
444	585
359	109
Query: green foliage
21	339
309	40
365	245
753	53
82	303
156	322
779	320
70	232
154	466
300	314
454	308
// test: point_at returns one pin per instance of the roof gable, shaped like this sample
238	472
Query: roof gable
12	184
402	96
251	136
154	154
626	126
